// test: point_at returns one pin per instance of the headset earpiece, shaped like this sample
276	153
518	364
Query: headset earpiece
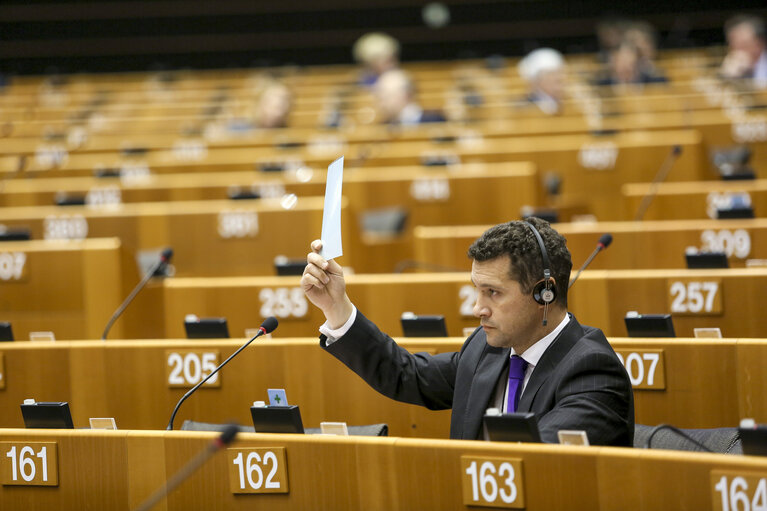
544	294
545	291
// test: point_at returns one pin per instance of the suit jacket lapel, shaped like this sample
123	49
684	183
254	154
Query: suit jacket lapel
548	363
486	375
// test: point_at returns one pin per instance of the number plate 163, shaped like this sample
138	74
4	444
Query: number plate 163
492	482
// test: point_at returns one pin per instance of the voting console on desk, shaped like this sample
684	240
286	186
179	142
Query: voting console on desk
512	427
277	419
50	415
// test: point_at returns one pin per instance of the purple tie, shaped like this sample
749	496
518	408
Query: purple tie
517	367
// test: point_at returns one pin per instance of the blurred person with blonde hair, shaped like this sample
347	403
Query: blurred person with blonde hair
395	95
274	106
544	70
377	53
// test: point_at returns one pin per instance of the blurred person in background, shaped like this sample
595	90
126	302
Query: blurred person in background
644	38
544	70
746	57
395	96
625	67
377	53
273	107
610	31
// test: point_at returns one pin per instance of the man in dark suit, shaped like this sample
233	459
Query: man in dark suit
529	353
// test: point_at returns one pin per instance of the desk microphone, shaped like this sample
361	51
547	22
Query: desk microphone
603	243
266	327
164	259
225	438
665	168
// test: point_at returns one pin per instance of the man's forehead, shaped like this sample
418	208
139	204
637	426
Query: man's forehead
497	270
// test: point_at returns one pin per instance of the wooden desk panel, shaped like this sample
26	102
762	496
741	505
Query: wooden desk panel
742	291
127	380
707	383
636	245
601	298
696	200
622	158
68	287
208	237
102	470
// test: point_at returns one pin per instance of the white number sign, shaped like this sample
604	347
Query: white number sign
725	200
430	189
283	302
733	243
237	224
48	156
65	227
646	368
190	150
30	463
492	482
12	265
103	196
598	156
738	492
187	368
751	130
695	297
258	470
468	296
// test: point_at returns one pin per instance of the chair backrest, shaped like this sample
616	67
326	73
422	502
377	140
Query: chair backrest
720	440
365	430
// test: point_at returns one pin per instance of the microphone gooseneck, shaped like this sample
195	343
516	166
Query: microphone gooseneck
665	168
226	437
603	243
164	259
266	327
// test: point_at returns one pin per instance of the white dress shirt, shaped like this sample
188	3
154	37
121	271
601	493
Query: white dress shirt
532	356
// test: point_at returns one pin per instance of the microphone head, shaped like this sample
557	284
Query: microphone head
269	324
605	240
166	255
228	434
676	150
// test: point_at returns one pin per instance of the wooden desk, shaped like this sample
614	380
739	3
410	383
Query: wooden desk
636	245
208	237
120	468
693	383
696	199
601	298
69	288
591	168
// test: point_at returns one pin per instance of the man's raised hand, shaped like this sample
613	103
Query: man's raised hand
323	284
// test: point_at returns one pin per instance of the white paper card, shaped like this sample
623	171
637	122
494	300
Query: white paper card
331	216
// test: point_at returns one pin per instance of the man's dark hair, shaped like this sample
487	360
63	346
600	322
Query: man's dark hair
517	240
756	23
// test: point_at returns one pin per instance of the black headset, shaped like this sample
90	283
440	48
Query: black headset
545	291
